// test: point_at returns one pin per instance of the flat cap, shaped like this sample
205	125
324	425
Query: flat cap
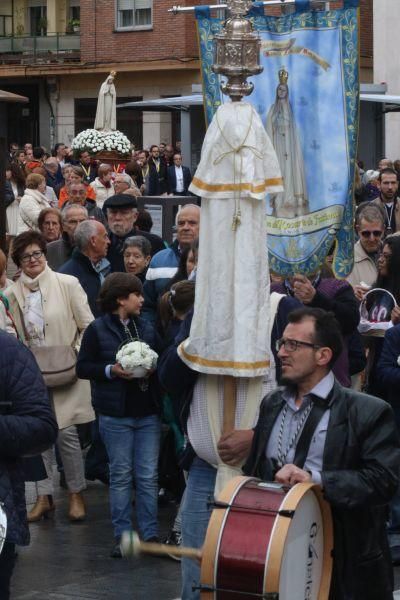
120	201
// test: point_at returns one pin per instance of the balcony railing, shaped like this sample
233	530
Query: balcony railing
50	48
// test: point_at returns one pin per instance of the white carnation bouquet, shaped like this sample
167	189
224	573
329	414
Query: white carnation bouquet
137	358
94	141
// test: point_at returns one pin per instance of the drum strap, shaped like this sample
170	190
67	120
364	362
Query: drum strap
309	428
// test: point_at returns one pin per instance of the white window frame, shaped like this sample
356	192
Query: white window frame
133	27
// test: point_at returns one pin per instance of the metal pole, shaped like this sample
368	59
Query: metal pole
179	9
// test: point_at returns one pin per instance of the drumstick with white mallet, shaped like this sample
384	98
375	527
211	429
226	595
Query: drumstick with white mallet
131	545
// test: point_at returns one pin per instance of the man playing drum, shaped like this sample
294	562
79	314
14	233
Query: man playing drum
313	429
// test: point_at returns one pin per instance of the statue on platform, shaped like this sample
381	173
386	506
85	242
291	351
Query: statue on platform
106	113
282	130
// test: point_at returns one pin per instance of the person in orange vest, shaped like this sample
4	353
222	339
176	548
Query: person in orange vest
74	175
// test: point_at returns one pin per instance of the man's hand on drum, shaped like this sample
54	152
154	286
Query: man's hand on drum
290	475
235	446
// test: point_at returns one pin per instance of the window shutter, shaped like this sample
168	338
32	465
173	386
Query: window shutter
126	4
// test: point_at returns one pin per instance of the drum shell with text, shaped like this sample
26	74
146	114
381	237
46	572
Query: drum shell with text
266	539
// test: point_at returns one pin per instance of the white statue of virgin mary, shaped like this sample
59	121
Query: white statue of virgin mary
281	128
106	113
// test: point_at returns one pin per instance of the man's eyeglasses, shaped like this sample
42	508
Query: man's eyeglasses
293	345
376	233
25	258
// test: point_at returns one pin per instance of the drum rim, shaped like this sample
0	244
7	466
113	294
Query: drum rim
4	518
279	532
214	533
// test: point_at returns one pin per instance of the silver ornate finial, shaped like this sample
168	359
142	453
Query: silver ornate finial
239	7
237	51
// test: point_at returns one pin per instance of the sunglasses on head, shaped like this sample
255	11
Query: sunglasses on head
376	233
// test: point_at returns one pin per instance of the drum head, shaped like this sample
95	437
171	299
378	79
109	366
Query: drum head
306	556
3	527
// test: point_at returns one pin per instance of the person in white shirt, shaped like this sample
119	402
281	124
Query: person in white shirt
178	177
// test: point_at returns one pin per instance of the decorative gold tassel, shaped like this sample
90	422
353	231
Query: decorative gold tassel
237	219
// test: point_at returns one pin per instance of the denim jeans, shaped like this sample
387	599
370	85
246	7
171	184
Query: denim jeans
196	512
132	446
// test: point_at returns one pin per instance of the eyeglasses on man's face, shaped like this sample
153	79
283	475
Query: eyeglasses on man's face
293	345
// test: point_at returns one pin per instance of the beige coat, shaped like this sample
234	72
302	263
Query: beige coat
66	315
32	203
364	270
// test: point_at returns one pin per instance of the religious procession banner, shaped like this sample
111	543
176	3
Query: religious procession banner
308	101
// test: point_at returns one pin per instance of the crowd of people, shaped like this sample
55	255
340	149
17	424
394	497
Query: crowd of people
87	278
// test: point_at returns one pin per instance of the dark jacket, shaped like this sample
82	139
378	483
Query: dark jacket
27	426
171	179
8	193
58	252
100	344
115	255
359	477
157	179
388	369
81	267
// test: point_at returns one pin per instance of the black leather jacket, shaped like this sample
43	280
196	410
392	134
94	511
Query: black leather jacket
359	476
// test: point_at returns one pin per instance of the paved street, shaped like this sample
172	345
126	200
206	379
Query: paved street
71	560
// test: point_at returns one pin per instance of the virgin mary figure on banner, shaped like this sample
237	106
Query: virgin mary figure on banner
281	128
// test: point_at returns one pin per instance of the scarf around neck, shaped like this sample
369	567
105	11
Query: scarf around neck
34	284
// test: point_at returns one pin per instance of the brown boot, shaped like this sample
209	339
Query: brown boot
43	509
77	510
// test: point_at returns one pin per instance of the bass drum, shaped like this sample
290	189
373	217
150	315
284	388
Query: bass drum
3	526
267	541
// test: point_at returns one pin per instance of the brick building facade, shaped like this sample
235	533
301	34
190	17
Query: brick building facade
153	51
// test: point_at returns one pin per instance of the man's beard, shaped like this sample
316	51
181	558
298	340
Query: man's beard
286	381
121	230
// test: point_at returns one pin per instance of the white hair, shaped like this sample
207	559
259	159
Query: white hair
67	207
84	232
183	206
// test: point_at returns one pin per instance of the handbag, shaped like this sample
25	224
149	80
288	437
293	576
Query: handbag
57	364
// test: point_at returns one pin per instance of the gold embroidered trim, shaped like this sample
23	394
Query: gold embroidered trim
205	362
232	187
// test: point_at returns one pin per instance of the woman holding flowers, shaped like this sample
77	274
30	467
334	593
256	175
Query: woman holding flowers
127	406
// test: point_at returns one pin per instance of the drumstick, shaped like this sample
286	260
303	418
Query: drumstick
132	546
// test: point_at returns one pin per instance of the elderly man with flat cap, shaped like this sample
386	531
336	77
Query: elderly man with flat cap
121	213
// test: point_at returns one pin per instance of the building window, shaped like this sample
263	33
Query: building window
134	14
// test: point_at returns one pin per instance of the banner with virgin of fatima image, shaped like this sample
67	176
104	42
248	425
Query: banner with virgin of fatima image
308	99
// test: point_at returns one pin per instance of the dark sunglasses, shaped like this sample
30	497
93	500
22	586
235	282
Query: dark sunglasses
376	233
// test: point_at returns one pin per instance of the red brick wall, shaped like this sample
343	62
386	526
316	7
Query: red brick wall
172	36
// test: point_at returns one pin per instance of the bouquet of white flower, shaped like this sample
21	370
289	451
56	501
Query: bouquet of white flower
95	141
137	358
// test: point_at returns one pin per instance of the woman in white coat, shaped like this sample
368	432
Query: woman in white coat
32	202
51	309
